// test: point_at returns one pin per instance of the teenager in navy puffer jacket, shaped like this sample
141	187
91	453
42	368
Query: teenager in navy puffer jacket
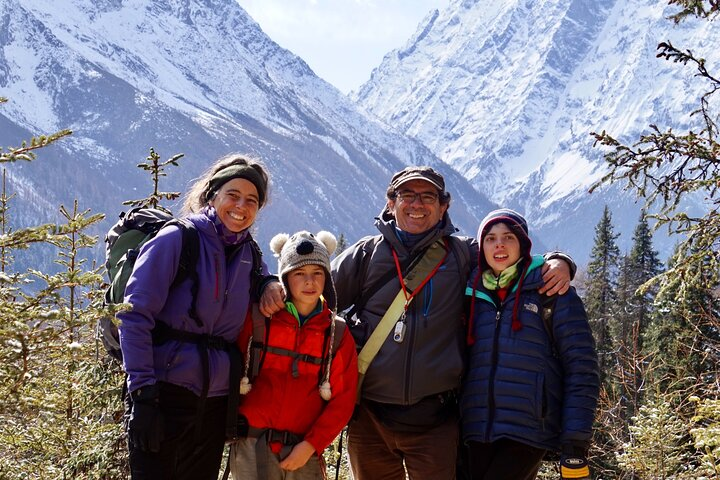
524	393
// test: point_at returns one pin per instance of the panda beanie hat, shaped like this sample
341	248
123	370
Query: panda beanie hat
304	248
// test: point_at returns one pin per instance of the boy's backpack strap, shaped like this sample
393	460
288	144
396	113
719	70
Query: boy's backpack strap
260	333
340	326
333	337
259	345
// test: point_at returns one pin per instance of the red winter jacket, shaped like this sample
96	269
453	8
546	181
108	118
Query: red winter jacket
281	402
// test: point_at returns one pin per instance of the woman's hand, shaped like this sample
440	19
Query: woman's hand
273	299
298	457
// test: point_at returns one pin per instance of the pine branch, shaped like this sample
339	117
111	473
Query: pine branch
157	170
25	152
664	167
669	52
22	238
694	8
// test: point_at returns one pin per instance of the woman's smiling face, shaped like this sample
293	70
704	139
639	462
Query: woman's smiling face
237	203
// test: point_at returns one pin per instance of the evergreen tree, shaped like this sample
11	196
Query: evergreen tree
600	303
156	168
665	167
625	356
59	406
341	244
639	267
54	420
704	432
658	446
644	265
600	288
682	338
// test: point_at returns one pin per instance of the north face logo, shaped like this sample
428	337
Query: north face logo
531	307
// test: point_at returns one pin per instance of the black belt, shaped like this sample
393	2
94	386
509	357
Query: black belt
265	436
163	333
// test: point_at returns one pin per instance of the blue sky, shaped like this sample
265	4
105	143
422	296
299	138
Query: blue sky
341	40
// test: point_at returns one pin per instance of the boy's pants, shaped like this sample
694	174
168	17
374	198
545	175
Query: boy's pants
243	464
376	452
184	454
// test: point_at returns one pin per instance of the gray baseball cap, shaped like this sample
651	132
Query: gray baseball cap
418	173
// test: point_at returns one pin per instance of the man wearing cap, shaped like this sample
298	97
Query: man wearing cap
406	419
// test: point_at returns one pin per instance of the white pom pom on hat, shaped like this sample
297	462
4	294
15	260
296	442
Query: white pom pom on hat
277	243
328	239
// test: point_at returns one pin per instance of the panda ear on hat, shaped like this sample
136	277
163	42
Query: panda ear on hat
278	242
327	239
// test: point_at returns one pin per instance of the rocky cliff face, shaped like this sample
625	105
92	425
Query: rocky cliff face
197	77
507	92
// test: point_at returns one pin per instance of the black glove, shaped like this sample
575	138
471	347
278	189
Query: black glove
574	464
146	428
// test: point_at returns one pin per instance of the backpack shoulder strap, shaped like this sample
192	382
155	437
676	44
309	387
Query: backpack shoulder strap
391	274
190	250
256	275
260	330
547	306
430	260
461	250
187	267
340	326
335	331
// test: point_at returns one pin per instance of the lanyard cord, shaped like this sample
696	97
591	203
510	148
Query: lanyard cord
409	297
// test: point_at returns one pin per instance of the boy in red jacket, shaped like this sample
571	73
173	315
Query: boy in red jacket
300	384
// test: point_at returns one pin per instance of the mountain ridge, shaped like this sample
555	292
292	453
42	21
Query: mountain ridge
199	78
508	92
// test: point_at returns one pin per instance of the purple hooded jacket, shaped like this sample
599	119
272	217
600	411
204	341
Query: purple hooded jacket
222	303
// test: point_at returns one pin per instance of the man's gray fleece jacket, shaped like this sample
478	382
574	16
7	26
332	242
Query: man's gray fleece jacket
430	359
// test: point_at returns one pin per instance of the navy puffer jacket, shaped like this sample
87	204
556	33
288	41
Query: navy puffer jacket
516	387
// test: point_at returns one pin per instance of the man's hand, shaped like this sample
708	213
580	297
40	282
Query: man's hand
556	275
298	457
273	299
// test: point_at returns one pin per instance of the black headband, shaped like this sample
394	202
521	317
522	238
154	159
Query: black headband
238	171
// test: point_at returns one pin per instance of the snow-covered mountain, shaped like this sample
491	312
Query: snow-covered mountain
197	77
507	92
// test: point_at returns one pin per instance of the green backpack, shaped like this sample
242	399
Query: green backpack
122	246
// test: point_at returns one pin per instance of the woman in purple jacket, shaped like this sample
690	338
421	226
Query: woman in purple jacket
178	384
